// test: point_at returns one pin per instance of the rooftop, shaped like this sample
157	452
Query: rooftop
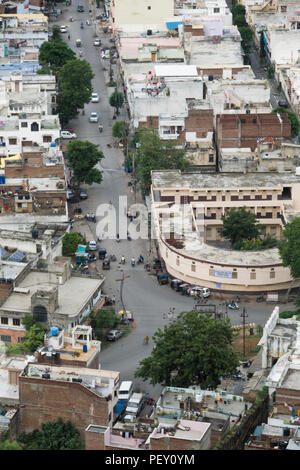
68	303
101	382
184	429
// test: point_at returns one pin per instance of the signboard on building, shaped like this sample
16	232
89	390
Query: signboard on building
227	274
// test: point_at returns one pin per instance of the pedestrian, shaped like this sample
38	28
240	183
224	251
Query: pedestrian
100	128
69	37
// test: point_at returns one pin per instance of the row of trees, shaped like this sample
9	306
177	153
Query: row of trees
239	19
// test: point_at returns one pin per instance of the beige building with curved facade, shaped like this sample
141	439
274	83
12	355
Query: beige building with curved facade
187	211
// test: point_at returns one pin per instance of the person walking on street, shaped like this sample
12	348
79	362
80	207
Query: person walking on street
146	340
100	128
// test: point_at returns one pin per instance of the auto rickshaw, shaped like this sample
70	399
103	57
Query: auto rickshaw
162	278
102	253
176	283
78	42
127	316
184	289
106	263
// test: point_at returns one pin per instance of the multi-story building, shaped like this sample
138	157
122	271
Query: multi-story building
32	28
78	394
187	212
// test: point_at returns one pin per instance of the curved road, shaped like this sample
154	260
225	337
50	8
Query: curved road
142	294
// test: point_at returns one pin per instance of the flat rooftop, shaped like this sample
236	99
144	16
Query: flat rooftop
175	179
101	382
68	303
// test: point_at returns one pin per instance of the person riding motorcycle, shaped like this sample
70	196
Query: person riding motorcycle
123	260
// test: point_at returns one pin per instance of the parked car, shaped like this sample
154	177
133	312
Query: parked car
68	135
80	9
283	104
63	29
97	42
95	98
204	291
92	245
94	117
113	335
83	195
69	129
105	54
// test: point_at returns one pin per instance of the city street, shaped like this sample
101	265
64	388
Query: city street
149	301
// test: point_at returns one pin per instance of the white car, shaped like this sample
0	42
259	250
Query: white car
63	29
204	291
97	42
95	98
67	135
92	245
94	117
105	54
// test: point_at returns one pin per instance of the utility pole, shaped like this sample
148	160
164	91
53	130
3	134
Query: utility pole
244	315
121	292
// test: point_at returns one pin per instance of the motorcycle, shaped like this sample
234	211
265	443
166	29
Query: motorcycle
132	262
140	260
260	298
118	238
233	305
81	26
123	260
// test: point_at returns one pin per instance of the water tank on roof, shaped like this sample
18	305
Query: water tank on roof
210	78
84	348
149	32
53	144
53	331
35	233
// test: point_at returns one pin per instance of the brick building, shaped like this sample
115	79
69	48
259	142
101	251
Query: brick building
79	394
243	130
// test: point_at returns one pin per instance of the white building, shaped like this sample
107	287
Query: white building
29	28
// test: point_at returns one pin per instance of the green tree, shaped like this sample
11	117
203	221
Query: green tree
246	33
116	100
295	126
289	249
28	321
70	242
57	435
75	88
10	445
56	34
240	20
195	350
120	130
238	9
262	51
56	54
82	156
34	338
240	224
153	154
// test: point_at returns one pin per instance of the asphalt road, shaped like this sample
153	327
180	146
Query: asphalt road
149	302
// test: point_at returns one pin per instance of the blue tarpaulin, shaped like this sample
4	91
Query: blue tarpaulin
173	24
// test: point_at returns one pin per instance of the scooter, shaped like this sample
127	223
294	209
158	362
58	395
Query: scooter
132	262
81	26
123	260
233	306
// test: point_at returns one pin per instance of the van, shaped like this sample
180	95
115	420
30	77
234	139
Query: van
135	404
125	390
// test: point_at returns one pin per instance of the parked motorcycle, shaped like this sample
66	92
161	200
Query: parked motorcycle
233	305
260	298
132	261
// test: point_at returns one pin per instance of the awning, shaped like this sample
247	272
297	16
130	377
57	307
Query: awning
173	24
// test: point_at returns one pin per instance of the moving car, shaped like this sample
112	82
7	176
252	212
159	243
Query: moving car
80	9
95	98
97	42
113	335
105	54
92	245
94	117
68	135
283	104
63	29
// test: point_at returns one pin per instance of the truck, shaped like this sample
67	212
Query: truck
124	394
119	409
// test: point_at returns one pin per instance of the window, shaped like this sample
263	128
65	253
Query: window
24	124
12	141
47	138
4	320
177	261
216	10
193	267
234	274
5	338
211	158
20	339
283	8
16	322
253	274
34	127
272	273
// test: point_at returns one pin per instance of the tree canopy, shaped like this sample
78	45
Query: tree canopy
195	350
116	100
70	242
75	88
289	249
153	154
57	435
120	129
82	156
240	224
56	54
295	125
